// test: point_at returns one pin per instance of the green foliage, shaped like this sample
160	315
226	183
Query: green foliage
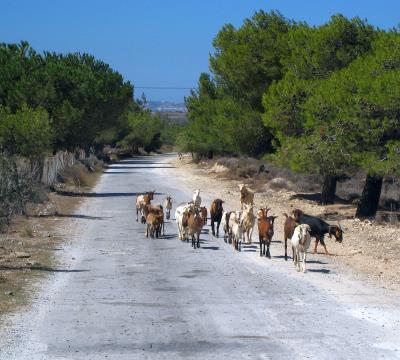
360	107
27	133
309	110
83	96
315	53
283	105
218	124
144	131
248	59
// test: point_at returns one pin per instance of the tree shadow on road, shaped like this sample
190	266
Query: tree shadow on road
74	216
139	167
100	195
119	172
40	268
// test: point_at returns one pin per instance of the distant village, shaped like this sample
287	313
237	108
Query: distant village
175	112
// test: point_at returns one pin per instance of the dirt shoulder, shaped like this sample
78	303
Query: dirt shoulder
28	250
369	251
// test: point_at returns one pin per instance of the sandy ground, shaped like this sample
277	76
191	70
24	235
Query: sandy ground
369	252
30	246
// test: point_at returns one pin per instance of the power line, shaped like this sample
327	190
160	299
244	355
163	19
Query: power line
164	88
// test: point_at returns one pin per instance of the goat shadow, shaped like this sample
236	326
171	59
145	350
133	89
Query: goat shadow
168	236
322	271
210	247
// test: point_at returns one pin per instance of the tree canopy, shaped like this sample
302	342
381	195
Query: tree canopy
82	96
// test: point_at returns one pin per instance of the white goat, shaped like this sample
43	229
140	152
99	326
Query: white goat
181	217
301	241
235	229
196	197
247	221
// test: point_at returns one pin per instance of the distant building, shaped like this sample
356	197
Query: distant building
174	112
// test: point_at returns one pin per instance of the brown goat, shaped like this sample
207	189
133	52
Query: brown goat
288	230
195	223
265	231
151	225
158	212
204	214
216	211
141	202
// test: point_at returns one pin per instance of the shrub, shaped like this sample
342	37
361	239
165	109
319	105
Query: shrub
16	189
76	175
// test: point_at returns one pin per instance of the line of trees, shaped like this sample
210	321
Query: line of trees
51	102
319	100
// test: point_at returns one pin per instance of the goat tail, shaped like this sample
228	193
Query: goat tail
286	215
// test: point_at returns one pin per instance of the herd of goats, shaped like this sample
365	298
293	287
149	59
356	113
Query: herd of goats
191	217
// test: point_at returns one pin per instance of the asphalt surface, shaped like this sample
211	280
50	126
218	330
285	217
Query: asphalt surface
123	296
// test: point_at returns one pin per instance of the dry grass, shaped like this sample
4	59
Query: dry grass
39	236
28	231
77	175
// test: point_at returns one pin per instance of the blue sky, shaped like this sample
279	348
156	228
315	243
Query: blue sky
161	43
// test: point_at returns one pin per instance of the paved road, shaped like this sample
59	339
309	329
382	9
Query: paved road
128	297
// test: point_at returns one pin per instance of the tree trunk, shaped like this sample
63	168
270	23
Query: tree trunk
135	150
369	201
329	189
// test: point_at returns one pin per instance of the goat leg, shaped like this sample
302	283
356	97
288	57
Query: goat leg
285	248
315	246
326	250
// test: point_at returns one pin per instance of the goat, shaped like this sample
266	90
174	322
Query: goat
195	225
246	196
181	216
168	206
141	202
203	210
158	211
301	241
225	225
196	198
151	225
247	221
235	230
265	230
318	228
288	230
216	211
